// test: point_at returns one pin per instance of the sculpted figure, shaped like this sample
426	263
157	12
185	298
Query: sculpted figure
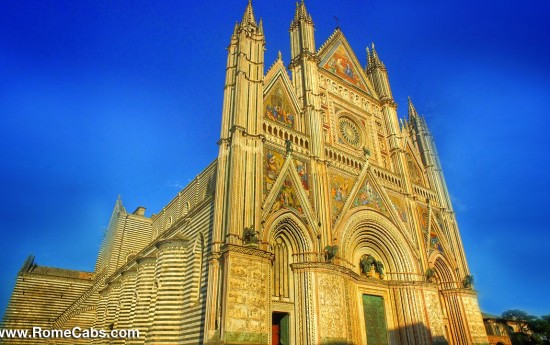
250	235
379	268
330	253
468	281
288	146
430	273
366	263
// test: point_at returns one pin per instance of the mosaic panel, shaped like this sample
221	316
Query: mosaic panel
340	187
422	212
274	161
435	244
399	205
414	170
369	196
287	198
341	65
277	106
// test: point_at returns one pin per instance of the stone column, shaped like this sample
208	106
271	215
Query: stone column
168	313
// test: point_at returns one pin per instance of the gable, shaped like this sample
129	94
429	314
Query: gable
342	65
280	104
337	57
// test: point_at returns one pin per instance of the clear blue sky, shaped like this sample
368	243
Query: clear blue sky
105	98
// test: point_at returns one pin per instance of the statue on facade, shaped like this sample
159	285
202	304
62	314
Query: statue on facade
468	282
250	235
366	263
330	253
379	268
288	146
430	275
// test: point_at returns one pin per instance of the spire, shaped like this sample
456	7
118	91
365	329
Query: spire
301	12
412	109
248	17
261	26
368	56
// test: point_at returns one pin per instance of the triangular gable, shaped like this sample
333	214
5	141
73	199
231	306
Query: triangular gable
367	193
274	161
288	193
337	57
341	186
414	164
437	240
280	102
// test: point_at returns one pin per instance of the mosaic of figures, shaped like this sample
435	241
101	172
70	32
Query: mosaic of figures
278	108
341	64
247	296
369	196
340	187
435	243
399	206
422	212
274	161
287	198
414	170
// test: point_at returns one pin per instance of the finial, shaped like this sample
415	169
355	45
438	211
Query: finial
280	56
412	109
248	17
261	26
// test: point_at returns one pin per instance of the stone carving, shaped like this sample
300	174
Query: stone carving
330	253
247	301
331	307
288	146
250	235
430	275
435	317
475	322
367	264
468	282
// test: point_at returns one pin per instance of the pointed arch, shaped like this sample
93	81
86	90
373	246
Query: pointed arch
444	273
289	240
368	232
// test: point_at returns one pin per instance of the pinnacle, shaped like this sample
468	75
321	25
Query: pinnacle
248	17
412	109
301	12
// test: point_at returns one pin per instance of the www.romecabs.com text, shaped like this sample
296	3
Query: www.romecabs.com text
75	332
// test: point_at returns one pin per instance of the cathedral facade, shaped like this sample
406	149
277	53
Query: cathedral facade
324	220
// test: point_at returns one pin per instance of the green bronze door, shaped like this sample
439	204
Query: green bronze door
375	320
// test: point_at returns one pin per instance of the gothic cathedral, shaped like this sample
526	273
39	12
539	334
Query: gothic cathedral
323	220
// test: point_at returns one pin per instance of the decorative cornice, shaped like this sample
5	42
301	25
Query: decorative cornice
248	250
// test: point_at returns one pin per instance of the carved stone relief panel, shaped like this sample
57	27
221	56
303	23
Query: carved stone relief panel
435	317
332	308
475	322
247	301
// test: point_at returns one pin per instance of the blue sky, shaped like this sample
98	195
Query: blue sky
105	98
